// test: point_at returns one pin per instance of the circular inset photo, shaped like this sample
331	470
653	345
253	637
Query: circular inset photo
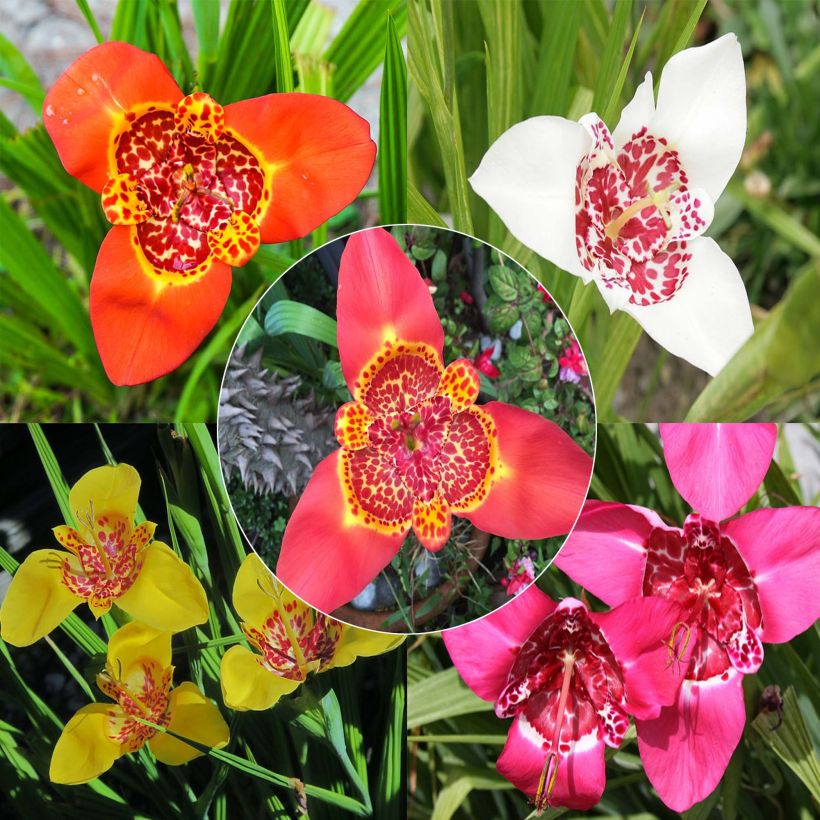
406	428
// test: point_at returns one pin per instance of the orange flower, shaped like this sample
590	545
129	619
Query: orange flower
192	189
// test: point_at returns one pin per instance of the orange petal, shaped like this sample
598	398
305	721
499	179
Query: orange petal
352	422
319	156
382	299
237	241
88	104
148	322
329	556
122	202
461	384
432	523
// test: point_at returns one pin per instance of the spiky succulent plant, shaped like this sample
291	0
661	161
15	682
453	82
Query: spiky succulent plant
270	435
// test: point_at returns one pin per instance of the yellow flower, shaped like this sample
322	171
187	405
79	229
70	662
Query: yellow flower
108	559
138	676
293	640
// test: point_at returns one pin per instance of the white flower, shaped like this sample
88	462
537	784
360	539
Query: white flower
628	210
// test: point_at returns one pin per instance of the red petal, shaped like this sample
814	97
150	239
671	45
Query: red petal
483	651
639	633
321	153
88	102
782	549
686	750
606	551
580	780
325	559
147	323
541	480
717	467
381	298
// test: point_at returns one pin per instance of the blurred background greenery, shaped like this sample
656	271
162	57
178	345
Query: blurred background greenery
454	738
476	68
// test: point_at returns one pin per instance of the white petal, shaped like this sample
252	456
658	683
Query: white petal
637	112
708	319
702	111
528	178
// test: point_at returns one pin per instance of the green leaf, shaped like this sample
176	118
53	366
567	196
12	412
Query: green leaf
420	211
393	132
460	783
206	23
281	47
294	317
611	58
439	696
20	76
504	282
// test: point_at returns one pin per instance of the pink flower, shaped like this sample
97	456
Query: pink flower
573	365
745	581
545	294
520	575
483	363
569	678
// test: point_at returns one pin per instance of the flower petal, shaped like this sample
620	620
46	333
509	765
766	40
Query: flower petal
717	467
528	178
36	601
246	684
432	522
83	751
381	298
580	779
541	479
483	651
636	113
640	632
362	643
708	319
136	641
781	547
165	595
702	111
686	750
252	591
327	556
109	491
88	103
318	151
194	716
148	322
606	550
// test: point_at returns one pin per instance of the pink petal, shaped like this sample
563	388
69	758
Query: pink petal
483	651
718	467
639	633
581	777
606	552
782	549
686	750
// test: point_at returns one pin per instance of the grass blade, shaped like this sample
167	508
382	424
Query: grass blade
393	131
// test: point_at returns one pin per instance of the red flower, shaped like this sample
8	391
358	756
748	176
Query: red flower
191	188
466	297
415	449
483	361
572	362
569	678
742	582
545	294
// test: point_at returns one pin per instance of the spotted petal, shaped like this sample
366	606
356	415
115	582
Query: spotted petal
541	479
89	102
317	152
247	684
328	557
382	298
147	322
718	467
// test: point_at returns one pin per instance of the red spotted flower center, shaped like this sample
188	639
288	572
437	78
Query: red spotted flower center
414	447
701	569
566	687
105	560
143	693
634	212
192	189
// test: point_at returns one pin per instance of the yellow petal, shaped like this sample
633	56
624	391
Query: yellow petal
83	750
136	641
362	643
37	601
194	716
246	684
111	491
254	591
166	595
